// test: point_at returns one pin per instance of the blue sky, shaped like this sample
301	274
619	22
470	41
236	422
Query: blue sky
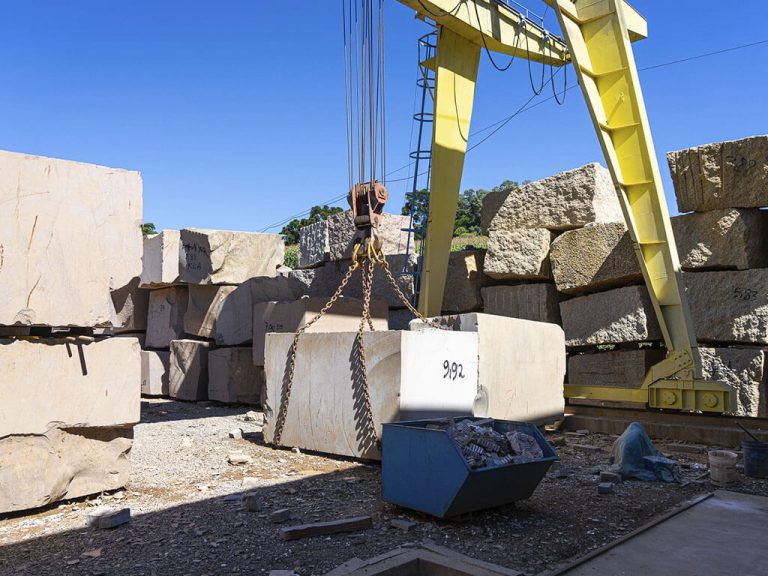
234	110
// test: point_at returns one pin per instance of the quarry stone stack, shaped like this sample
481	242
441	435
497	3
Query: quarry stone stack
538	302
233	378
519	254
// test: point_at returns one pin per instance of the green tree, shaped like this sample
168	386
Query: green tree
148	228
316	214
417	203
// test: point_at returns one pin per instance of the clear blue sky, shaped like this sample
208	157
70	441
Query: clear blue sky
234	113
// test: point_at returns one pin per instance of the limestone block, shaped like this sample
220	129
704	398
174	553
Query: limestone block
596	257
617	368
612	317
519	254
742	368
227	257
203	307
233	378
567	200
188	375
325	280
69	234
46	386
538	302
313	245
722	239
729	306
721	175
60	465
341	233
492	202
464	281
290	316
160	265
407	379
165	321
155	367
521	366
131	305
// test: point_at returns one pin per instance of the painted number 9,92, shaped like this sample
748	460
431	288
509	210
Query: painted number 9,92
452	370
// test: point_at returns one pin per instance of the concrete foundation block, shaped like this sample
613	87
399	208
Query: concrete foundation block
60	465
521	366
565	201
284	317
721	175
742	368
464	281
612	317
617	368
341	234
203	308
165	320
594	258
155	368
729	306
131	305
313	245
188	375
722	239
233	378
407	379
56	385
521	254
160	265
537	302
70	233
227	257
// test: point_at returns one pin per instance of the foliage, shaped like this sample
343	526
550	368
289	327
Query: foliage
316	214
291	258
148	228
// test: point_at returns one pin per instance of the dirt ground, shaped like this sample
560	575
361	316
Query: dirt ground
188	516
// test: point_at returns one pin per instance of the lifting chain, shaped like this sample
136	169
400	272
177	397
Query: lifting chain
366	256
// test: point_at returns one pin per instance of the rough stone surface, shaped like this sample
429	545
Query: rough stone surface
730	174
341	233
492	202
227	257
742	368
290	316
155	367
313	245
69	234
325	280
722	239
521	254
538	302
46	386
617	368
131	305
729	306
160	265
612	317
464	281
203	308
567	200
188	376
596	257
233	378
60	465
165	321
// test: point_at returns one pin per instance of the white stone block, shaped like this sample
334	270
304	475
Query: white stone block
160	265
165	321
233	378
341	233
188	375
155	367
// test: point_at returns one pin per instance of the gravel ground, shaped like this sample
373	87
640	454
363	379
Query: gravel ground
188	517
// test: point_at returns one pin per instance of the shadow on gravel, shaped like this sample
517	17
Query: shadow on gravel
165	410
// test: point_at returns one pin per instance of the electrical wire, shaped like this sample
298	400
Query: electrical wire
488	52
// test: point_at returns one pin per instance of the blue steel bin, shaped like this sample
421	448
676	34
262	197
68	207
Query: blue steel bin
424	470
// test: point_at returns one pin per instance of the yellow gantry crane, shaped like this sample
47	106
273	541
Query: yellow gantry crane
597	36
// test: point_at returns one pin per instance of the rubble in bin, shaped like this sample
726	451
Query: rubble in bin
483	446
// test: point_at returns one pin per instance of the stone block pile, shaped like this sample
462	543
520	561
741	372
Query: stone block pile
72	316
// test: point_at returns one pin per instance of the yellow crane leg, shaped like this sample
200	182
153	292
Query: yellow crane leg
455	77
599	42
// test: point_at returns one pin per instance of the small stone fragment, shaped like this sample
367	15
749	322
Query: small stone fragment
238	458
106	518
611	477
586	448
279	516
403	524
253	503
605	488
237	433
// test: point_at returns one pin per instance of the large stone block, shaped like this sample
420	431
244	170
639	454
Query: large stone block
399	319
612	317
131	305
407	379
341	234
161	259
521	254
60	385
313	244
69	234
290	316
617	368
521	366
188	375
227	257
233	378
742	368
722	239
203	308
729	306
567	200
40	469
165	320
464	281
537	302
721	175
491	204
596	257
155	368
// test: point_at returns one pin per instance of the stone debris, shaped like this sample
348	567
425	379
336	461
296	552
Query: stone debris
237	433
188	376
253	416
519	254
403	524
610	477
280	516
325	528
605	488
253	503
107	518
165	321
482	446
538	302
160	263
238	458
